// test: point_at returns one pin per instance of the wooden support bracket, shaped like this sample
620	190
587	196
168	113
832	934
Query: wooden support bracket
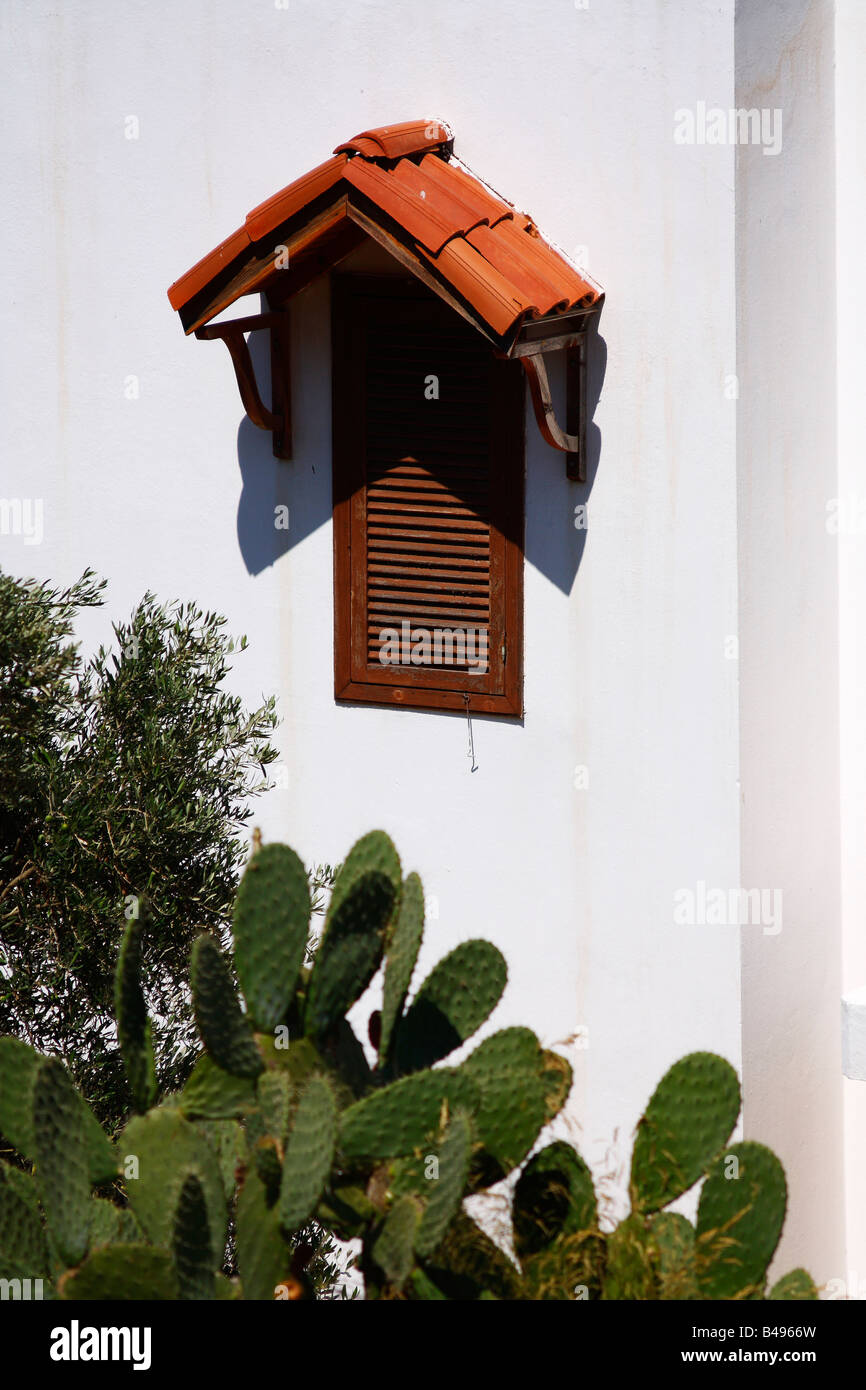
279	418
572	439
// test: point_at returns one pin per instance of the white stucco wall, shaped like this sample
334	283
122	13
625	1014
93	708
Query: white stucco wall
800	767
569	111
850	173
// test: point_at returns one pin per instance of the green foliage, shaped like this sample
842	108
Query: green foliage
124	778
290	1135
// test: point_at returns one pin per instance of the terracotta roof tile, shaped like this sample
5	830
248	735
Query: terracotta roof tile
453	175
210	265
481	250
395	141
532	266
425	219
295	196
432	180
530	284
490	293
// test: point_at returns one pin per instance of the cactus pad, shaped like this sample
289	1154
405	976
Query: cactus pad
350	950
393	1247
23	1252
400	1117
455	999
133	1024
61	1154
123	1272
508	1070
797	1286
446	1190
629	1273
687	1122
262	1256
223	1027
271	921
167	1149
740	1219
674	1239
214	1094
191	1243
554	1196
467	1264
275	1095
309	1153
403	945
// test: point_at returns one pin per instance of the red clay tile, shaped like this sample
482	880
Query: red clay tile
451	200
395	141
531	286
490	294
295	196
491	256
459	179
539	272
420	217
209	266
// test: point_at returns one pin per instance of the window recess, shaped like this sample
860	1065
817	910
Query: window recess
428	505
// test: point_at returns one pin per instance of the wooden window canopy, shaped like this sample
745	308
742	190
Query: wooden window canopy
401	186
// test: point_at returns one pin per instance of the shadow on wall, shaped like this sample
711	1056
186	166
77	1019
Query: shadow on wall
554	544
271	484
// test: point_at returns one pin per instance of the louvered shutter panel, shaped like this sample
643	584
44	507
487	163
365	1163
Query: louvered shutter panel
428	472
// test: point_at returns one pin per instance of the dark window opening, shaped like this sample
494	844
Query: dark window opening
428	453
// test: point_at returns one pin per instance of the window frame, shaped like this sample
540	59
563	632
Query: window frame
498	691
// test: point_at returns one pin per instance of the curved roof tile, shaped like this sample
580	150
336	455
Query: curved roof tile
395	141
490	257
293	198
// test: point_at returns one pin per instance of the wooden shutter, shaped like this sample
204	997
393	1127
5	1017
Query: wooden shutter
428	504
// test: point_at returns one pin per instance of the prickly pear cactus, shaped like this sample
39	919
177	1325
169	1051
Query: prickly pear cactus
287	1127
656	1254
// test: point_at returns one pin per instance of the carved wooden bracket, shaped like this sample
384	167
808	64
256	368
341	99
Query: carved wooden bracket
572	439
279	418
